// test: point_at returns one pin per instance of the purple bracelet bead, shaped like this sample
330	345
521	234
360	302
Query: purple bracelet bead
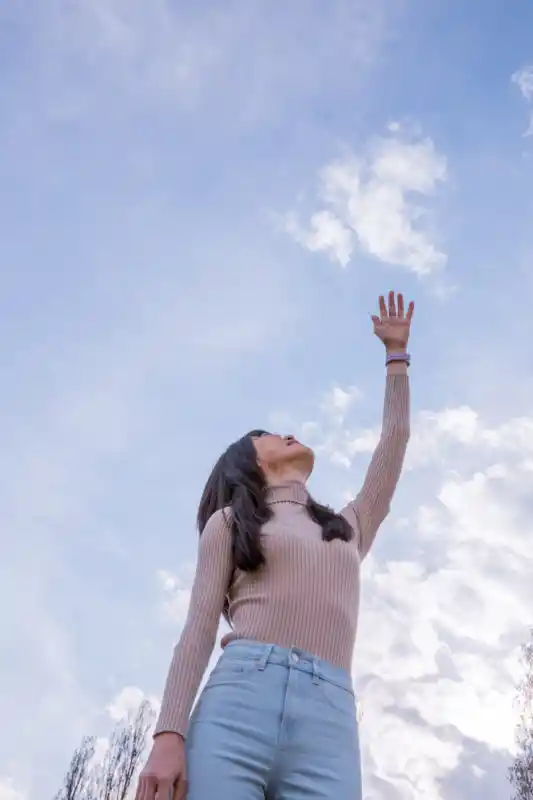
402	358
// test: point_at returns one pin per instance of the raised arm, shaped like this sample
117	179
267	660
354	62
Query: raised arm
192	653
372	504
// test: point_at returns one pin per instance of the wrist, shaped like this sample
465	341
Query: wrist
397	360
393	349
169	736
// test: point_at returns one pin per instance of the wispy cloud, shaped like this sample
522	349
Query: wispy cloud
114	55
523	78
371	206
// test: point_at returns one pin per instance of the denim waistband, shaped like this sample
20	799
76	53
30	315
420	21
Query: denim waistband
293	657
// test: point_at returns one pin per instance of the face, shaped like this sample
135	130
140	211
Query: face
279	455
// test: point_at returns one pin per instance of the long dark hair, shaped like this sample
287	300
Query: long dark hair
237	483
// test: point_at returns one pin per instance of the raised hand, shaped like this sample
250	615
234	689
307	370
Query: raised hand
393	325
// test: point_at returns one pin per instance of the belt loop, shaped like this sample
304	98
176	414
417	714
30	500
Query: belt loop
263	661
316	673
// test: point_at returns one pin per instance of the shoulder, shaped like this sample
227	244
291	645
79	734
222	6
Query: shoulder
218	526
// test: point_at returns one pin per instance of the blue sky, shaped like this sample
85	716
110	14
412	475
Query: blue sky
198	208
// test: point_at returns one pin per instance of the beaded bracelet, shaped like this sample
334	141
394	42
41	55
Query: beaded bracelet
400	358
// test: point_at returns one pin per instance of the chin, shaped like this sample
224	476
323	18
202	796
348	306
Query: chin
304	456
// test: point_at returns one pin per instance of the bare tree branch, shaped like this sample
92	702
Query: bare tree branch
113	778
76	778
521	771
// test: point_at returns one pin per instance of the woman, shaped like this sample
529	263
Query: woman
277	717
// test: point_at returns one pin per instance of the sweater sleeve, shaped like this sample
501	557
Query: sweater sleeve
372	504
195	646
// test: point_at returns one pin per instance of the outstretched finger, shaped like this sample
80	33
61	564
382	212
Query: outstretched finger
382	307
400	306
410	310
392	305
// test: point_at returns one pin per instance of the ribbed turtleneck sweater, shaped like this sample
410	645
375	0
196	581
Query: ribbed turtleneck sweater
307	593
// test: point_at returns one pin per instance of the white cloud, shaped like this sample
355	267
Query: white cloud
122	710
326	233
338	401
127	702
370	205
434	435
438	631
176	595
446	600
523	78
8	791
403	761
327	434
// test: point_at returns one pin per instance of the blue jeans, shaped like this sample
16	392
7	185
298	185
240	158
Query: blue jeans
274	723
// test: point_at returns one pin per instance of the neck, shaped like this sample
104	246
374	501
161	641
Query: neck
287	476
290	491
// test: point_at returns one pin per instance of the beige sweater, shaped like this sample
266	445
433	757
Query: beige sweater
307	594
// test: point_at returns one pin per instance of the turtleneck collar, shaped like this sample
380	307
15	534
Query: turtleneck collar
288	492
